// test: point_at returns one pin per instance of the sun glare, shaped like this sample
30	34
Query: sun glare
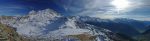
120	4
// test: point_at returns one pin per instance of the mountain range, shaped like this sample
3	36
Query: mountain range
48	25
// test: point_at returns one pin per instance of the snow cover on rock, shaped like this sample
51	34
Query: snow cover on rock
52	26
32	24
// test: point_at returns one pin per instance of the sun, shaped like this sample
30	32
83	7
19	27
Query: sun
120	4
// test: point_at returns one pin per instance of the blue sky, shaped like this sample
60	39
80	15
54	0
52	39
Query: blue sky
139	9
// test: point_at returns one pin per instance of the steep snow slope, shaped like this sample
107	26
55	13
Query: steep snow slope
74	27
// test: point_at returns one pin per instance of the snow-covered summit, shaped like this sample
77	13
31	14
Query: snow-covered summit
30	24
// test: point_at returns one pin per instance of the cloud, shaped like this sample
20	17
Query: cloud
88	7
138	17
12	10
104	9
85	7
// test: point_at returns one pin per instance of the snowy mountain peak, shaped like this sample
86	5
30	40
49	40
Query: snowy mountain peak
31	24
32	12
46	12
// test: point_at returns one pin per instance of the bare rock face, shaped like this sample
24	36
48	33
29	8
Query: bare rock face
9	34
